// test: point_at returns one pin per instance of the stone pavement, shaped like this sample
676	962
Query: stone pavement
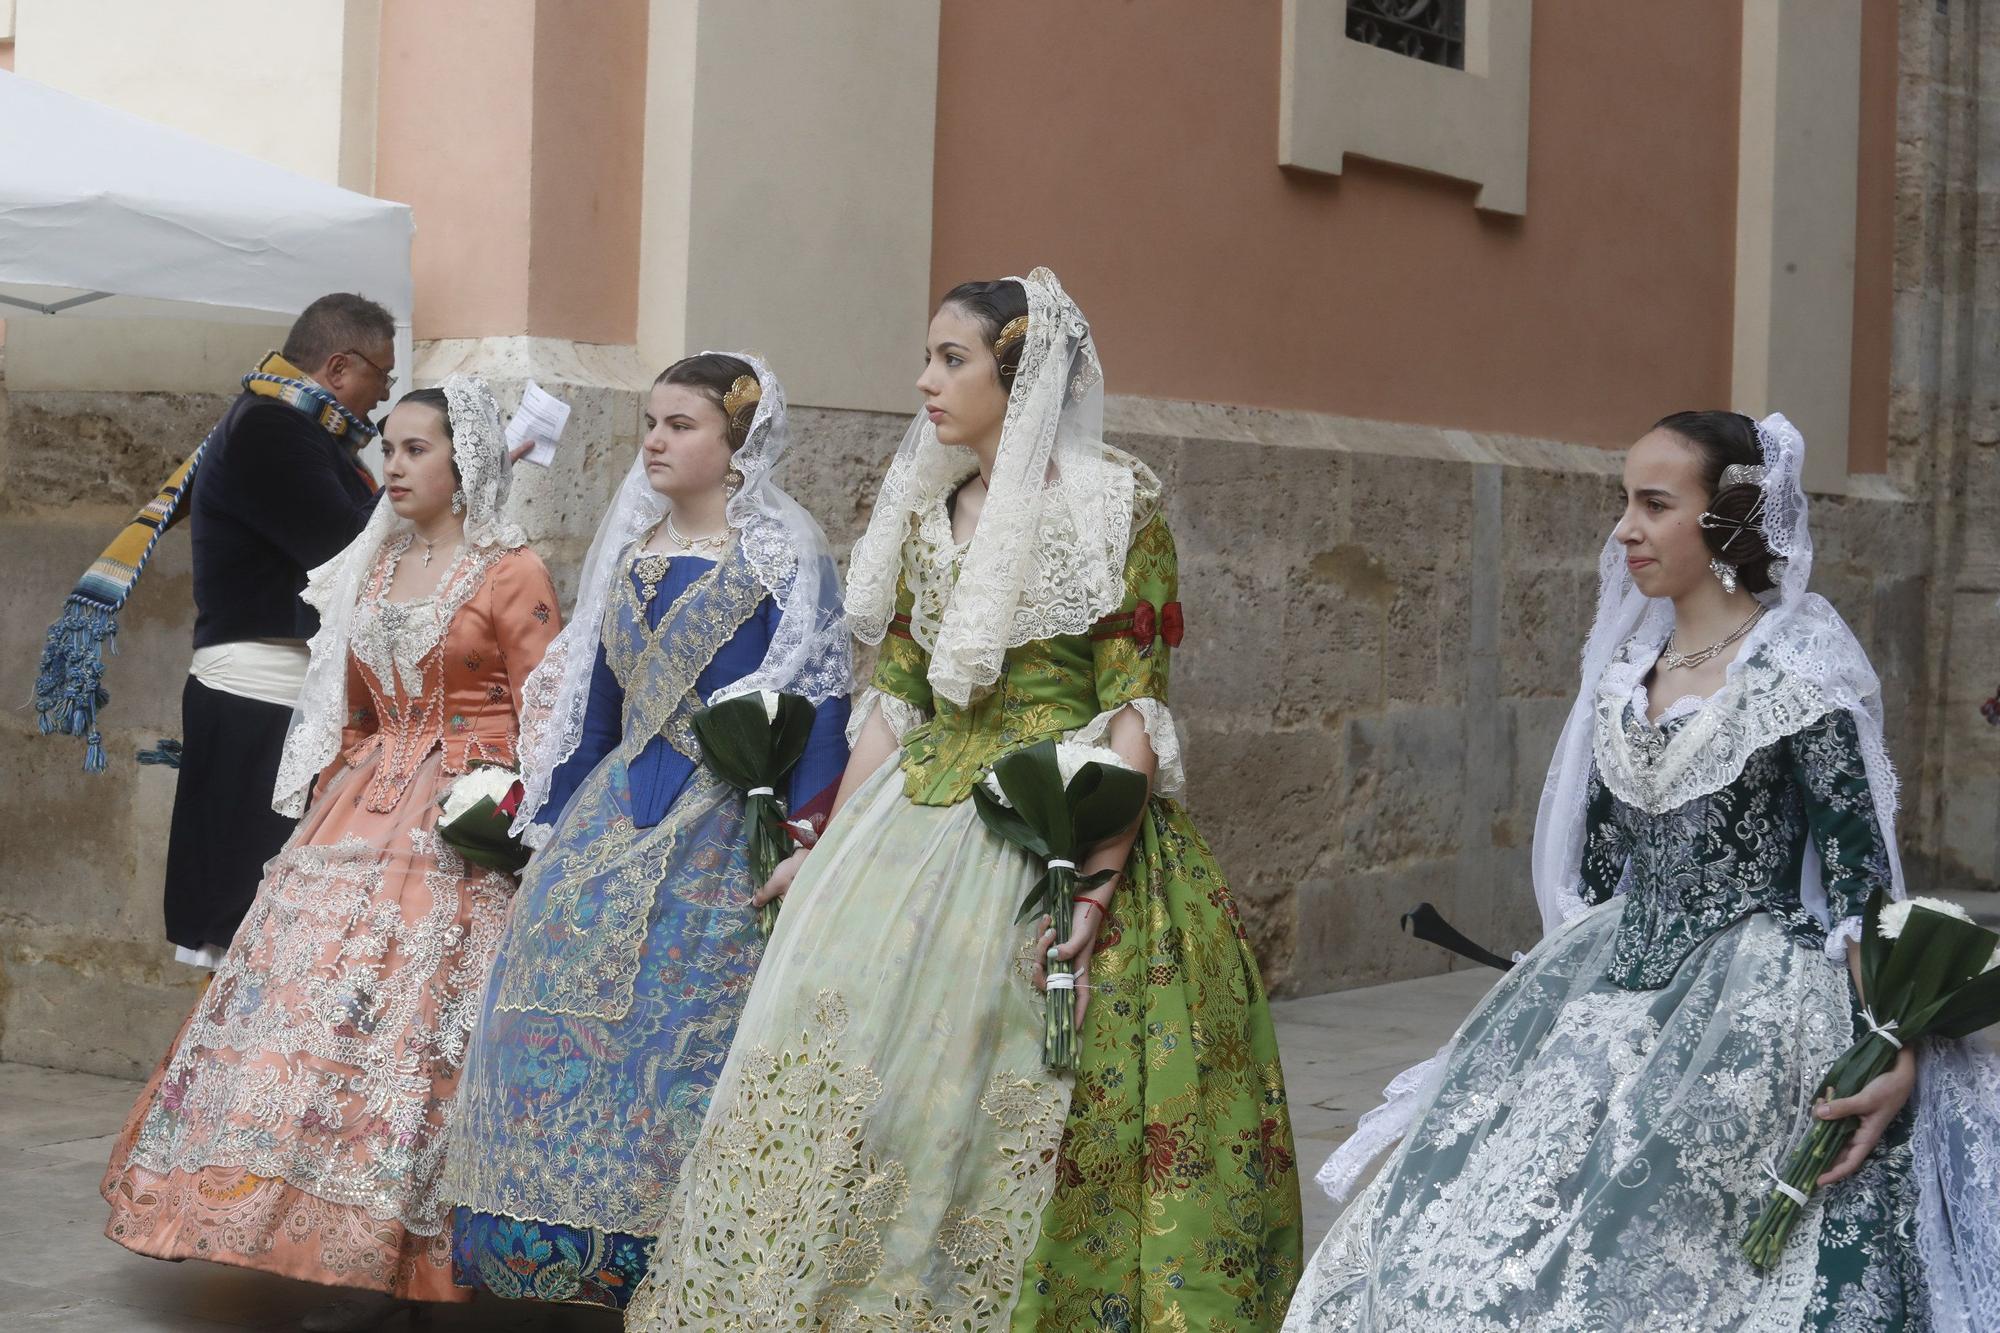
57	1271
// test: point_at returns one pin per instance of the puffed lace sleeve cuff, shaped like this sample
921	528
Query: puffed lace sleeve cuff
1170	780
1843	933
902	716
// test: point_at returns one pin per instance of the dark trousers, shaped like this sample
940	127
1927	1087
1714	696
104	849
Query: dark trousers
224	828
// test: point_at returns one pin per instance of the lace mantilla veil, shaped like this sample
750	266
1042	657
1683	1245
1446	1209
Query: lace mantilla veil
1800	662
479	450
1048	557
809	654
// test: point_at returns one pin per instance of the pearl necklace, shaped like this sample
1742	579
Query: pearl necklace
708	546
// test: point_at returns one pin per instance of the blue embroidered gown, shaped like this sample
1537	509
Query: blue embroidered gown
629	953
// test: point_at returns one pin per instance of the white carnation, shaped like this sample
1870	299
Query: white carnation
486	783
1071	757
1895	915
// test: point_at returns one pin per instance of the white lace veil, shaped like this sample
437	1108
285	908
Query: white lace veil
1049	554
809	655
479	451
1800	634
1955	1136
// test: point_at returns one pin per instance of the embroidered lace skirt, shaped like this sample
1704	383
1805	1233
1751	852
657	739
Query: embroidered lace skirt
298	1123
1177	1193
577	1110
1589	1158
881	1144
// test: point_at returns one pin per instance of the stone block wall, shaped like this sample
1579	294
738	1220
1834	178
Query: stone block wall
1383	625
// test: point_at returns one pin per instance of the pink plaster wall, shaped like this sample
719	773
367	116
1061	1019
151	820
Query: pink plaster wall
1133	148
514	130
453	115
589	139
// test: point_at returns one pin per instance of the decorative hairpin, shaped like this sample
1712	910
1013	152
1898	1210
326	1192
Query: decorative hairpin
1016	329
745	392
1737	526
1742	474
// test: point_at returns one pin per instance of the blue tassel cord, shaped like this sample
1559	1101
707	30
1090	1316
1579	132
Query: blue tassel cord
167	754
69	687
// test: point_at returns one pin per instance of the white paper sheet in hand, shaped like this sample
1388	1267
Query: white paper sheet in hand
541	418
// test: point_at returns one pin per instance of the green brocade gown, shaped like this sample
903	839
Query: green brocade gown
885	1149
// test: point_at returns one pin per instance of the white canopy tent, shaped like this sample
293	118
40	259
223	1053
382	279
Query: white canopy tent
105	215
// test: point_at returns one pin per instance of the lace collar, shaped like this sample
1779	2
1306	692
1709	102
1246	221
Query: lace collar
1656	767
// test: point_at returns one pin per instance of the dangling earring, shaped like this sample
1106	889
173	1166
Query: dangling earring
732	482
1725	571
458	502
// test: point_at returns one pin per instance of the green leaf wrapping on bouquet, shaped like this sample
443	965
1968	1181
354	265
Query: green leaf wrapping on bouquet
1933	956
480	836
1007	824
1104	801
1038	899
1930	980
747	749
793	729
1874	944
1058	824
1032	782
1974	1006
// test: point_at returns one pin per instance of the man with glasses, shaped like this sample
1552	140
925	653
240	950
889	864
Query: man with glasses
277	489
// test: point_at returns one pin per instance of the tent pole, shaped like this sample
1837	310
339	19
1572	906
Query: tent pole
55	308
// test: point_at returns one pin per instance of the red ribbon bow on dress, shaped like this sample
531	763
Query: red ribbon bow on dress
1166	623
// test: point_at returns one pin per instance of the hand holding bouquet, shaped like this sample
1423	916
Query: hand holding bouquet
1927	970
477	812
1056	802
751	742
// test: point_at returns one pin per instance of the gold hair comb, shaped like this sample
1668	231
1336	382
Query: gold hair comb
745	392
1017	329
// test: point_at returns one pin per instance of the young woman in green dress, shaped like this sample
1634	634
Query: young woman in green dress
884	1147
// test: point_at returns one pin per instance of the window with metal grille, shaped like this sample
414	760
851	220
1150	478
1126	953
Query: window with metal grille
1429	30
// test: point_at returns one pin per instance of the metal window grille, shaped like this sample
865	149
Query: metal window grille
1429	30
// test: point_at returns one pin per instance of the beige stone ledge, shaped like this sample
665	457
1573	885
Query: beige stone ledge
544	360
1358	435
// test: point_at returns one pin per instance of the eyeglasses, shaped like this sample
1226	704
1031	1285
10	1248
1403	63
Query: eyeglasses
388	379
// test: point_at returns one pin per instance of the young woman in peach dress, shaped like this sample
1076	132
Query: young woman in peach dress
298	1123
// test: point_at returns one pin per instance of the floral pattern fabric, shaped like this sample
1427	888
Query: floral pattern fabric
628	957
828	1192
300	1121
1177	1197
878	1149
1595	1142
1741	849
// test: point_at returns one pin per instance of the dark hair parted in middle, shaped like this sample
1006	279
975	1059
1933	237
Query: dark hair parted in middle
434	398
715	376
996	306
1722	440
